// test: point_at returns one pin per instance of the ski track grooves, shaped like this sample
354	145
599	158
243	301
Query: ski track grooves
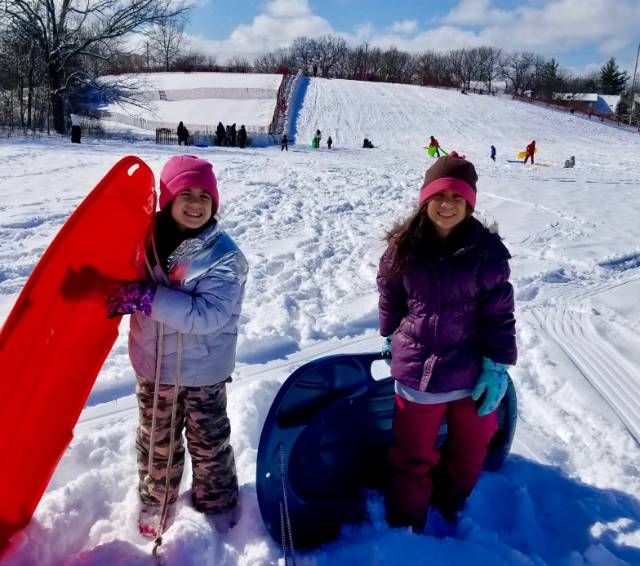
601	365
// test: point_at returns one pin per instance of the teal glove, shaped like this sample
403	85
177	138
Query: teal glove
386	350
492	383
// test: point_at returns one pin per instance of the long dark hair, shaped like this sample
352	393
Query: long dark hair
167	236
416	237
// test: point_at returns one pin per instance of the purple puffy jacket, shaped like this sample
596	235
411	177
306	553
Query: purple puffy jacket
452	307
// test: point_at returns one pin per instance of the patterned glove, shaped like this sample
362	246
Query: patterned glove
492	383
386	350
129	297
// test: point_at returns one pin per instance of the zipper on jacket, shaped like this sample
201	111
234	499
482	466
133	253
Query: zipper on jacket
427	372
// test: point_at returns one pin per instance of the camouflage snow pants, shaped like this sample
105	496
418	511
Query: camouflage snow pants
202	413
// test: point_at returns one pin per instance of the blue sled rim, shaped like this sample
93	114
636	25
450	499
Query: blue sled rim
323	446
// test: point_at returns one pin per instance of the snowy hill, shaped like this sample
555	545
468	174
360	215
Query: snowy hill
312	225
200	100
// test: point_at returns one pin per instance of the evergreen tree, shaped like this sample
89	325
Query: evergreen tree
612	80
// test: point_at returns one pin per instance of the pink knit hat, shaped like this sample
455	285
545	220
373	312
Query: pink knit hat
454	173
184	172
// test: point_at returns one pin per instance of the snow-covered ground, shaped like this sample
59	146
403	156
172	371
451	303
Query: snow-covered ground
202	99
312	225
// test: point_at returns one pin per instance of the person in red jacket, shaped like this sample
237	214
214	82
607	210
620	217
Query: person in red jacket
531	149
434	143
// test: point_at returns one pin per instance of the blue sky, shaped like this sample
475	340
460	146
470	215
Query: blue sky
580	34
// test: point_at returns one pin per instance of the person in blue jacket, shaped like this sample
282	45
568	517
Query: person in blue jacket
182	345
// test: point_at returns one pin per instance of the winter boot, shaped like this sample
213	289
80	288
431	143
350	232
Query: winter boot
149	519
224	521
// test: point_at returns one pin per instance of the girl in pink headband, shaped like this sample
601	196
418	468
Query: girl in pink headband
446	311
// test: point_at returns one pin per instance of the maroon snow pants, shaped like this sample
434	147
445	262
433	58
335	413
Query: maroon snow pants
420	474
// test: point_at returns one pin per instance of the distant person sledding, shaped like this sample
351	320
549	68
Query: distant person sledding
367	143
434	149
570	163
315	142
528	153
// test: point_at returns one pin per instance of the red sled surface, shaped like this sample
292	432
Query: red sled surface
54	341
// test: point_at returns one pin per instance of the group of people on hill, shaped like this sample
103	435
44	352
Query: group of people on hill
230	136
193	295
529	152
224	136
317	137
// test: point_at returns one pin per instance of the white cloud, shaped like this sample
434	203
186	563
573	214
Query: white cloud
552	26
289	8
281	22
438	39
476	13
404	26
363	32
548	27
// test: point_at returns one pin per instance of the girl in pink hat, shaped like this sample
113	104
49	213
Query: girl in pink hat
446	312
182	345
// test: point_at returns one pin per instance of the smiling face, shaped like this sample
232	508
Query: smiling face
191	209
446	210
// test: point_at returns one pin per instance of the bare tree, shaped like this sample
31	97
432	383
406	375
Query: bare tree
329	51
466	65
165	39
304	51
489	65
68	31
275	61
353	64
518	68
431	68
396	66
194	60
238	64
455	65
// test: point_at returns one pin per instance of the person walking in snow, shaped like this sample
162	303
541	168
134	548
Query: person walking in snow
446	310
183	134
182	345
434	143
316	139
234	134
220	134
493	152
284	143
530	151
329	142
242	136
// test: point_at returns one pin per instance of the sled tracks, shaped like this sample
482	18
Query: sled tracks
615	378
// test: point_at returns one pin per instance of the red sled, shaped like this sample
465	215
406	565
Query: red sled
57	335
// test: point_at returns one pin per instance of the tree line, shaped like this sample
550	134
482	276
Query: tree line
55	55
525	73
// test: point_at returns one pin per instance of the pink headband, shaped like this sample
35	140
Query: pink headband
448	184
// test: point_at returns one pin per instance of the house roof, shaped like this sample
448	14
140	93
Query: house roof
577	96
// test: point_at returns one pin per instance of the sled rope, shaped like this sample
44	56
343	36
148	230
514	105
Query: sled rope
283	535
174	410
152	435
285	518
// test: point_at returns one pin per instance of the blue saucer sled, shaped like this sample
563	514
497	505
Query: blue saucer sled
324	443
